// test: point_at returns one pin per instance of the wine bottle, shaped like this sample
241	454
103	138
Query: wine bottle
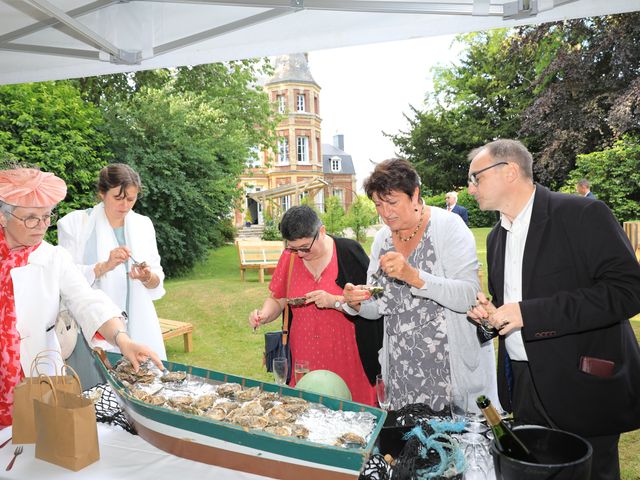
505	439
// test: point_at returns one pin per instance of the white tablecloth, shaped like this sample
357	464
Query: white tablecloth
122	456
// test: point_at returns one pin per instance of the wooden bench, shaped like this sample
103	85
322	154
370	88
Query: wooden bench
258	254
173	328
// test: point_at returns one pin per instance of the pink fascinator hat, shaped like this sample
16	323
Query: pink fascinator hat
28	187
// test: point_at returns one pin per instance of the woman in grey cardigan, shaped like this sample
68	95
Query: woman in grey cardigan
425	258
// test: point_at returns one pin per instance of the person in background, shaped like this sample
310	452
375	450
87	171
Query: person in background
426	261
320	332
35	276
451	198
583	188
564	283
106	242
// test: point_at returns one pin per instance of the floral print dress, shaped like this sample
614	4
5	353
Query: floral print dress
419	369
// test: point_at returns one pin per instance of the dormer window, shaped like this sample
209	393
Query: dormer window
336	164
300	102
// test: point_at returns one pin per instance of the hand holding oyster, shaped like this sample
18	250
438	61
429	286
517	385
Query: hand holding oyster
297	301
136	263
373	289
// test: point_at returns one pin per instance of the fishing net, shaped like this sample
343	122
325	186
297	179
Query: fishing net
107	407
429	451
376	469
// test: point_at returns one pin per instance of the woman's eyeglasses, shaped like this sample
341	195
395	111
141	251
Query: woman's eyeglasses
33	221
303	249
473	176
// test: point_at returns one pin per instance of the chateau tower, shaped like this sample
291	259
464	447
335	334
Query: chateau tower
298	168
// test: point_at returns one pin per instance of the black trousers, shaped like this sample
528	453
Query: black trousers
528	410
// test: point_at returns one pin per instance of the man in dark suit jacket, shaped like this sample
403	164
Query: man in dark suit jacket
564	282
584	188
451	199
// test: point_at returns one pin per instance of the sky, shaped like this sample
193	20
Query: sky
366	90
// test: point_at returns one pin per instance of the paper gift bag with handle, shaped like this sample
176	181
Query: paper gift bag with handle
66	429
66	379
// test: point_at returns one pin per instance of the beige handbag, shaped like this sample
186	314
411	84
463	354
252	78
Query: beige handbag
66	330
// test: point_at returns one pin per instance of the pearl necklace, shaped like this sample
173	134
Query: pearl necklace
413	234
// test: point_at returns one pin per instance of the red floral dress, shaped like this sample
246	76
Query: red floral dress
323	336
10	369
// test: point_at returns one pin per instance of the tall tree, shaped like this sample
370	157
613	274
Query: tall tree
361	215
233	88
49	125
106	89
588	95
614	174
189	177
190	140
333	216
473	102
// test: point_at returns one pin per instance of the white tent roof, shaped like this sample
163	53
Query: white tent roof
56	39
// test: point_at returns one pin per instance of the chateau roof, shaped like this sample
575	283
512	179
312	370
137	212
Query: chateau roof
292	68
328	152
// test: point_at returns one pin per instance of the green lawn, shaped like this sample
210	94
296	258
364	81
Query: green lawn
217	303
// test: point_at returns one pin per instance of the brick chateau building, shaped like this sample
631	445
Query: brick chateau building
302	166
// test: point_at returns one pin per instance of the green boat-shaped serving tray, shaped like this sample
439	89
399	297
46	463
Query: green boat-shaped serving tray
231	446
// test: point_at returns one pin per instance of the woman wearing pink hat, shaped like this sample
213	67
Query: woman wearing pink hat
35	276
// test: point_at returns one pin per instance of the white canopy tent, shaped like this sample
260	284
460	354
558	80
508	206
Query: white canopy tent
57	39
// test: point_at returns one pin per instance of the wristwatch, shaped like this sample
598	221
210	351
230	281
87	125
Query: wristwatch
338	303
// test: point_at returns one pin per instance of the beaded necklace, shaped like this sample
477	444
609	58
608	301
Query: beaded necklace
413	234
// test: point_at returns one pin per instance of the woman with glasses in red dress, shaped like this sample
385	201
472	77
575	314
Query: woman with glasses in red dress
320	332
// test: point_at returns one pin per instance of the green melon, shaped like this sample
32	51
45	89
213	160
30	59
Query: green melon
325	382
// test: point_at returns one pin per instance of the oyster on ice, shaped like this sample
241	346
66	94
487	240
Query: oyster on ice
173	377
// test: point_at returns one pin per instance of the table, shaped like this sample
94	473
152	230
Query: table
174	328
122	456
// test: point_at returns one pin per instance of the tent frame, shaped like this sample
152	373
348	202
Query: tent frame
103	50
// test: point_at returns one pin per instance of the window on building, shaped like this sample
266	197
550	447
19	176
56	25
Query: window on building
300	102
283	151
303	149
254	158
336	164
282	103
339	194
259	206
286	203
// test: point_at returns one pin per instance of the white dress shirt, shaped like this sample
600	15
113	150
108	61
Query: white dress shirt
514	252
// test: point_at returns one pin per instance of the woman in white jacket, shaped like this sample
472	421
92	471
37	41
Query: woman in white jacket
35	277
106	242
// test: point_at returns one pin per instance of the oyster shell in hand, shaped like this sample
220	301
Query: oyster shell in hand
297	301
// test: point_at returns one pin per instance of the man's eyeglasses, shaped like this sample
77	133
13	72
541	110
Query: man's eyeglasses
473	176
33	221
304	249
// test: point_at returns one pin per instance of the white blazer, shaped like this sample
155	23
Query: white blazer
75	229
50	275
